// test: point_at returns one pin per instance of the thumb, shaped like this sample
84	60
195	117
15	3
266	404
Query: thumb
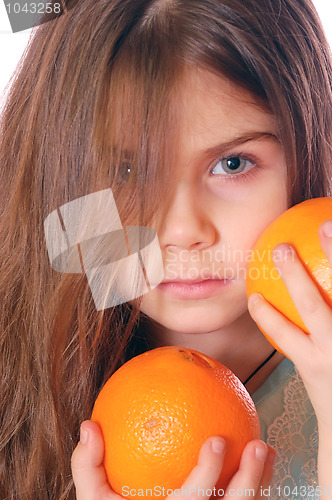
87	465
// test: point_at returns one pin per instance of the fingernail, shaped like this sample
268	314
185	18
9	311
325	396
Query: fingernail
327	228
261	452
282	252
83	435
255	297
218	446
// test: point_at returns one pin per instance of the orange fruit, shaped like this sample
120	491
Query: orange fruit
297	226
156	411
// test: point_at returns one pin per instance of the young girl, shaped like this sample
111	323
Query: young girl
206	119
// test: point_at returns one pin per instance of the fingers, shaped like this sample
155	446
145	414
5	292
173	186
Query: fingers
287	336
254	474
255	471
253	477
207	471
314	311
303	291
88	472
267	473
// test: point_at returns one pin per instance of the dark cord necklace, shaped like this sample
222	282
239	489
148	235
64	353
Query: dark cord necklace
260	366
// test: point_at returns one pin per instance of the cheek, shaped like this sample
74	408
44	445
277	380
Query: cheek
243	223
272	204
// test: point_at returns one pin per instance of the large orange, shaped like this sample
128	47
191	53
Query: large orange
157	410
299	227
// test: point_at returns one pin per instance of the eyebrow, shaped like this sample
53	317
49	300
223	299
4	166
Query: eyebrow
250	136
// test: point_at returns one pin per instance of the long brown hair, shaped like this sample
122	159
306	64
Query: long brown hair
94	95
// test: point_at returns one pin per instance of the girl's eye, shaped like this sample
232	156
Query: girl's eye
231	165
125	171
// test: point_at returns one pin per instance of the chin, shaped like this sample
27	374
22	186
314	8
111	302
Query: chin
194	322
199	316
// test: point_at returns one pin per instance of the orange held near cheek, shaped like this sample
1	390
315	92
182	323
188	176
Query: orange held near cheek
296	228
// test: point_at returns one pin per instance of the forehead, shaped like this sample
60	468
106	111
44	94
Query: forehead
215	109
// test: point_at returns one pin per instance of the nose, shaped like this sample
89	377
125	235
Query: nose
187	224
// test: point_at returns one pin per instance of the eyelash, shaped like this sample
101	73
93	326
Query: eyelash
242	176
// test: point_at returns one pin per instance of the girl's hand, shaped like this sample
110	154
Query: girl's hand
86	462
255	471
312	354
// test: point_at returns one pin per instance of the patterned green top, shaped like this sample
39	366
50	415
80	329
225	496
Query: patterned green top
289	424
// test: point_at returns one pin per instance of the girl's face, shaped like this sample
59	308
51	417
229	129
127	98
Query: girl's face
231	183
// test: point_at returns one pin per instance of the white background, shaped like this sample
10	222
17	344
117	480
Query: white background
12	44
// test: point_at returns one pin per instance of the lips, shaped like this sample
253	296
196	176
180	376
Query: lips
180	279
191	281
193	289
